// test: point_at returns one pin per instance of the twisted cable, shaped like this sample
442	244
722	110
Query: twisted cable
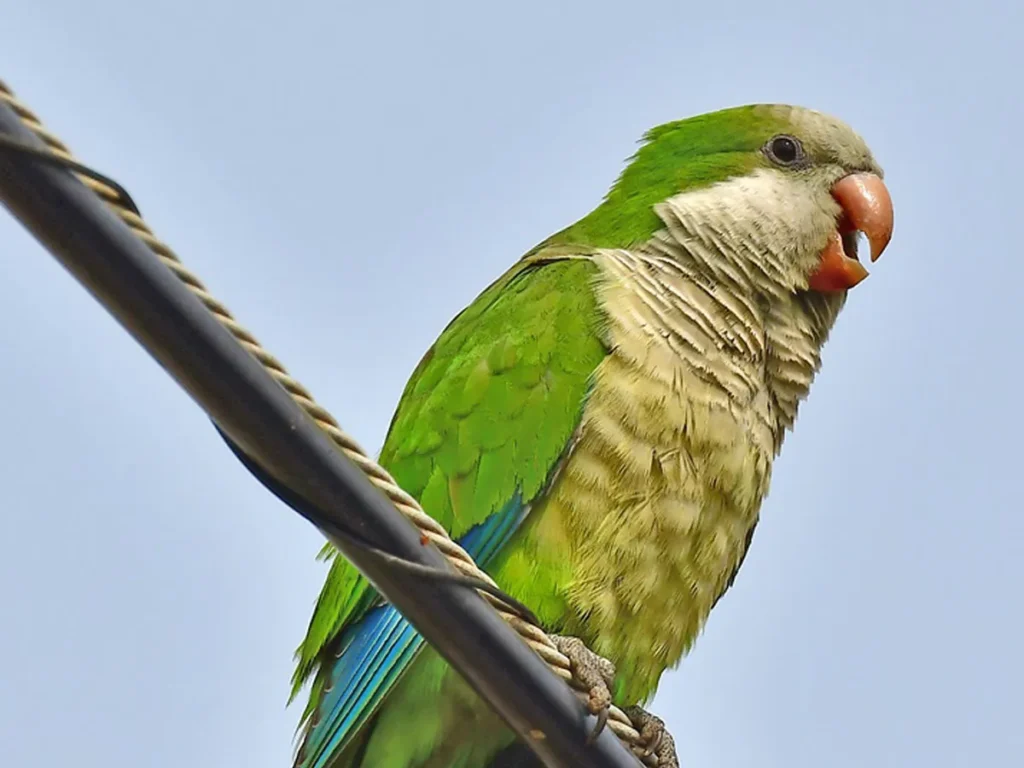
120	203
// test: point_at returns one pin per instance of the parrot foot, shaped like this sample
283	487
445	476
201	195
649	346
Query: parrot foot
595	673
655	736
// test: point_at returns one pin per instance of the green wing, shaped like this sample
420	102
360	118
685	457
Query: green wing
482	424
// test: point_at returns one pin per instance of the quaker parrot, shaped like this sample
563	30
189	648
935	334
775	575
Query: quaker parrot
598	427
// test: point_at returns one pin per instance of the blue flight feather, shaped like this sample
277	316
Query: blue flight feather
381	645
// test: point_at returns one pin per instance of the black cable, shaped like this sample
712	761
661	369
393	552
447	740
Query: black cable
266	424
285	494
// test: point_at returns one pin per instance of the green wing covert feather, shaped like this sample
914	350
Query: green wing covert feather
487	413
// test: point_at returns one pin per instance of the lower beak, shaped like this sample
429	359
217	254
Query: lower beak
867	208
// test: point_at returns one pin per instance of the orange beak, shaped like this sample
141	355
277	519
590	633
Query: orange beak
867	208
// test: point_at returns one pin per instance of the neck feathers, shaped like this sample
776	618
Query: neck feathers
716	327
745	247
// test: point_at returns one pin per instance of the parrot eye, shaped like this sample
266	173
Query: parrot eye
785	150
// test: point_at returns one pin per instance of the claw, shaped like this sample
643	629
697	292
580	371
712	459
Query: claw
602	721
655	736
594	673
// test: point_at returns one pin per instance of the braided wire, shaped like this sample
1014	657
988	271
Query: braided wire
530	633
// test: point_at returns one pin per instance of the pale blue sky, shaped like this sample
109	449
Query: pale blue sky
347	178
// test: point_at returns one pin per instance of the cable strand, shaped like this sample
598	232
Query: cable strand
465	570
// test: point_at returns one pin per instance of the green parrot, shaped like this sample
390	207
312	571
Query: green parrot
598	427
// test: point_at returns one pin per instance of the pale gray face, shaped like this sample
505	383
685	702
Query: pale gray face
759	233
790	225
829	143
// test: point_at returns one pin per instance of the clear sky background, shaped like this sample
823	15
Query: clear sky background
347	177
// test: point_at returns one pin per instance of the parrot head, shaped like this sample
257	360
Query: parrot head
770	198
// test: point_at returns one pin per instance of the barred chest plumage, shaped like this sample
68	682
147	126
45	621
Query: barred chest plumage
663	488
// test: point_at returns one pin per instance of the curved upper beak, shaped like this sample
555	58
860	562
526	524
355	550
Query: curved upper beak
867	208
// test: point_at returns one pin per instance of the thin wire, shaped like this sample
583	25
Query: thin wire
301	505
46	156
426	571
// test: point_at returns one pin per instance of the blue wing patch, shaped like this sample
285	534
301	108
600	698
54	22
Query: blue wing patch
380	646
485	540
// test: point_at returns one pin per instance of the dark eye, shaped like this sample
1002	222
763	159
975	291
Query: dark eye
785	150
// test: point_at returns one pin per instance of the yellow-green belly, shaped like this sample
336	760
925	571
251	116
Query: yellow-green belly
650	517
